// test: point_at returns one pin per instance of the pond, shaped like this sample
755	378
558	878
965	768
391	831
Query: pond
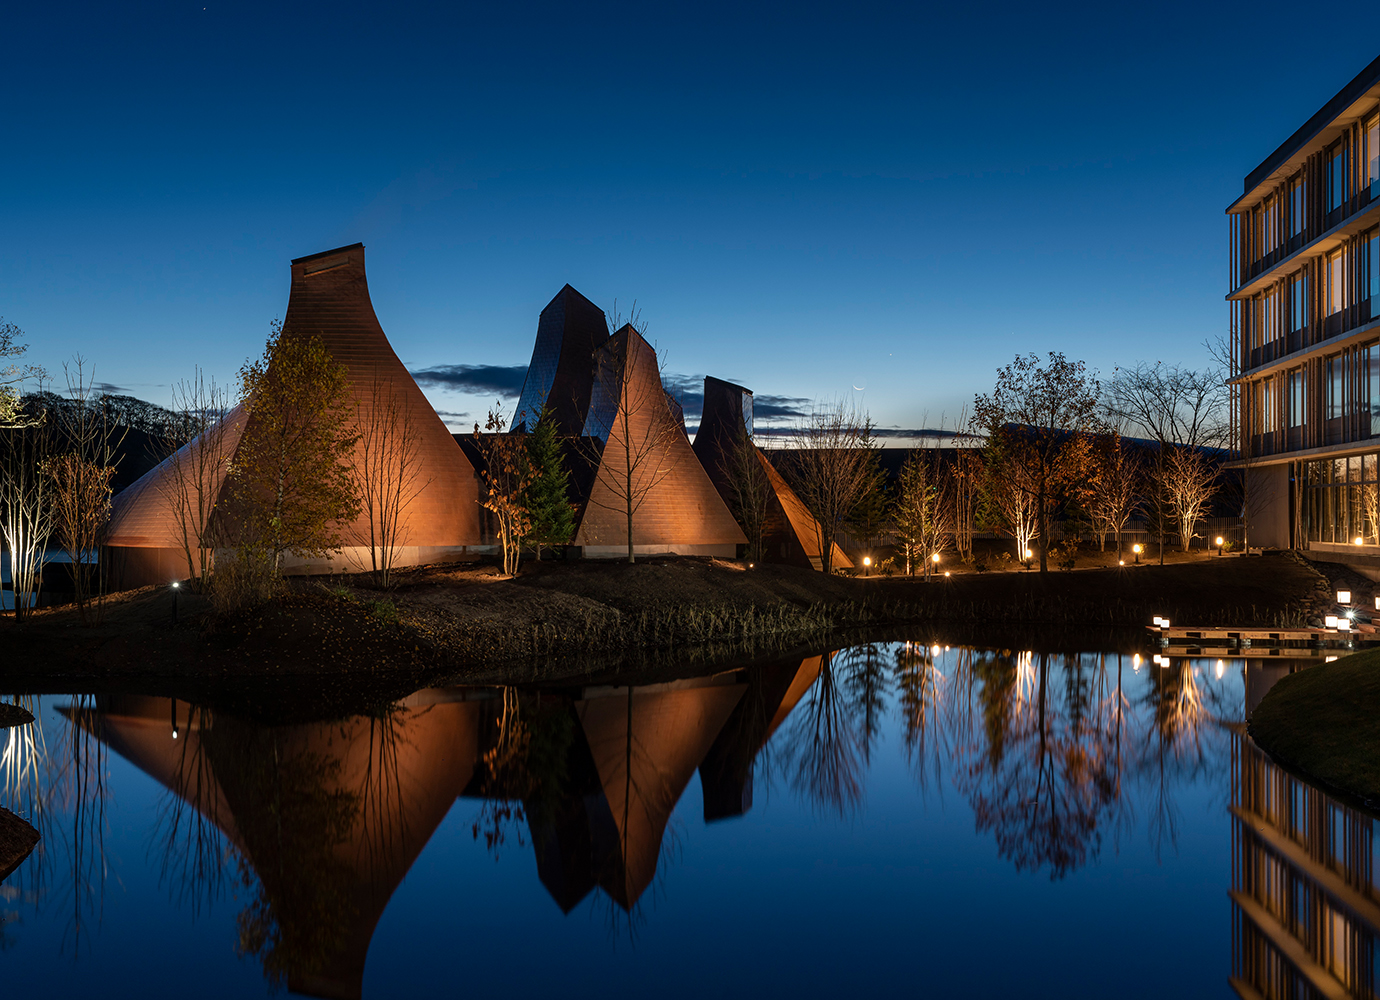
894	816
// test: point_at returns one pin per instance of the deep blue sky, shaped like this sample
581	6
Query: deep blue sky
803	198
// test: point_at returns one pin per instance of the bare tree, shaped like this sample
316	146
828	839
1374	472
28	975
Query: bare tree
1012	496
81	474
750	493
968	476
388	470
630	417
198	456
923	511
1171	406
26	506
507	474
1190	482
832	469
1111	493
1037	419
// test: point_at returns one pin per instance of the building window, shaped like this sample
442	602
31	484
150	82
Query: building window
1268	418
1373	156
1342	500
1296	196
1338	162
1271	225
1298	302
1372	286
1298	397
1335	382
1270	319
1370	381
1336	285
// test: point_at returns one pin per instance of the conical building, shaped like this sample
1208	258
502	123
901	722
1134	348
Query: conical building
790	534
646	465
329	299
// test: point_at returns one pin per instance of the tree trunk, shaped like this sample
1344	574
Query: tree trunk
1044	531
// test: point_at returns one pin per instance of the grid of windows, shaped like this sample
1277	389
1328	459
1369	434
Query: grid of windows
1342	500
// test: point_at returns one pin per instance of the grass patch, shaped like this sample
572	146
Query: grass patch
1322	722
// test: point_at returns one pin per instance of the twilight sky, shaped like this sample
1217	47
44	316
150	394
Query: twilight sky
804	199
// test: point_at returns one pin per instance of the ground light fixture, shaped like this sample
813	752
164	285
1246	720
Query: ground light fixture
1359	540
867	564
1137	550
1220	543
176	586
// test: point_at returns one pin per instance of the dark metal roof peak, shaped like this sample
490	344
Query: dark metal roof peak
327	253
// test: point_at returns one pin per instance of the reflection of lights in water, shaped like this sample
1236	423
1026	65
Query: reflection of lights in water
22	762
1221	668
934	650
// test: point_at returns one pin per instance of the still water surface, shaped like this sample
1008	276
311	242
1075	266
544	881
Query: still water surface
899	817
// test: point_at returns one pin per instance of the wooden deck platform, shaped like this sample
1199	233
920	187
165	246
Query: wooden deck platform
1220	641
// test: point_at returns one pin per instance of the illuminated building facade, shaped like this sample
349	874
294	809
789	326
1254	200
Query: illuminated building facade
627	435
790	534
329	299
1305	331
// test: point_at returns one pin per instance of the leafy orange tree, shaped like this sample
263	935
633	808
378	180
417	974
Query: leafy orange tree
1037	421
293	483
508	472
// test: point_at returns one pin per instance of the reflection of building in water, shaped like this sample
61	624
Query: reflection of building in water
635	752
327	817
330	815
1305	903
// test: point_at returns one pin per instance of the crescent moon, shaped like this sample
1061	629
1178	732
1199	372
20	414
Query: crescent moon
858	388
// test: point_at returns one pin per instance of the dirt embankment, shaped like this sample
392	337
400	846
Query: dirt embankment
449	621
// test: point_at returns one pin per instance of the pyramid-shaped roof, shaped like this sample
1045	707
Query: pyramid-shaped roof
571	328
629	412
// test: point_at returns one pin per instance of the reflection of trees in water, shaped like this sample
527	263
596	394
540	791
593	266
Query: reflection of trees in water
1048	777
193	852
60	787
1051	751
826	742
1181	742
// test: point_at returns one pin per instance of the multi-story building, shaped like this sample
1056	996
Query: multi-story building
1305	331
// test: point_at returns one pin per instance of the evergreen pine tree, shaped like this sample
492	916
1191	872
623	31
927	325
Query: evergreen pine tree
546	497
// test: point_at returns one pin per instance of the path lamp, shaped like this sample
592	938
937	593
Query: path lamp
867	563
1137	550
1219	545
176	587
